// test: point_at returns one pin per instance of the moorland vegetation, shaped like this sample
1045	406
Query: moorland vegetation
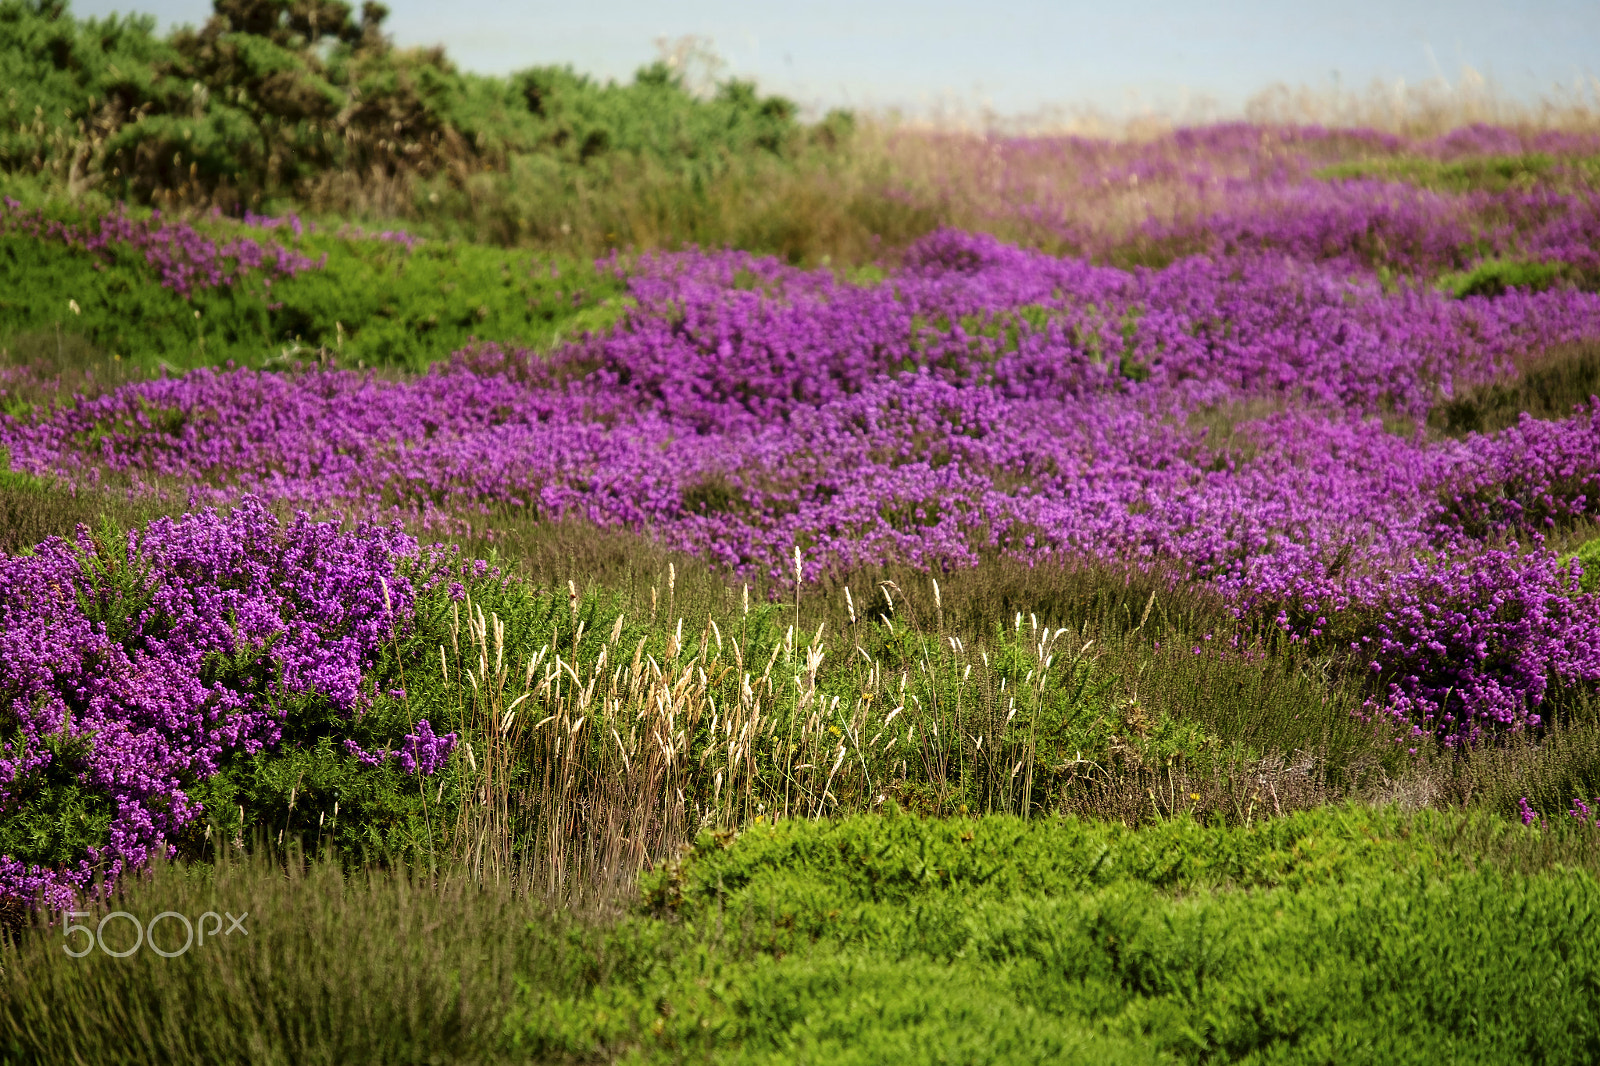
623	573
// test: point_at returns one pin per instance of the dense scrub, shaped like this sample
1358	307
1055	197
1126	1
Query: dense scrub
270	99
1341	935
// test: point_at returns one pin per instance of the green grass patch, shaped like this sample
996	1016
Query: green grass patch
375	304
1494	277
1480	174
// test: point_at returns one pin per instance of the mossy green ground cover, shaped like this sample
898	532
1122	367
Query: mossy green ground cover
1344	934
374	303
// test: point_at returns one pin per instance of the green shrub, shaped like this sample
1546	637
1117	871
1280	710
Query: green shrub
270	97
1494	276
1367	937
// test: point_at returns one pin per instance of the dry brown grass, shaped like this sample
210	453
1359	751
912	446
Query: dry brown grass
1430	108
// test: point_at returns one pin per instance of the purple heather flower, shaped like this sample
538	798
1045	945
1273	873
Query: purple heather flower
138	707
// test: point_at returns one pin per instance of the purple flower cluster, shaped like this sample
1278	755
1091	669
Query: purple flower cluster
421	752
1252	415
1475	643
133	707
185	259
1585	814
1210	188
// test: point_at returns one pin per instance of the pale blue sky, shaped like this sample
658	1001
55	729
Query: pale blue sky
1015	56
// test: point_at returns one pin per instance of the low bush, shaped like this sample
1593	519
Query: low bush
147	671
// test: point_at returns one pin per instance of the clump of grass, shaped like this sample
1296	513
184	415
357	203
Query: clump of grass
52	366
604	726
33	510
377	966
1548	386
1549	769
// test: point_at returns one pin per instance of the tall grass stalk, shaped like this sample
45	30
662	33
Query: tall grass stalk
589	757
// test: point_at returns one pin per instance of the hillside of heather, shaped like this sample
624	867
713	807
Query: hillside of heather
621	573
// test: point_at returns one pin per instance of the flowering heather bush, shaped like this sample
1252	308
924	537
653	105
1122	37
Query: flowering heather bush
185	259
135	671
1255	414
1476	643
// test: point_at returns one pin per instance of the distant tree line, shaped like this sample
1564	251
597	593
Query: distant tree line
276	98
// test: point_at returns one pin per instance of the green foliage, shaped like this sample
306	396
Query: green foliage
1482	173
376	303
263	96
1365	938
1162	701
56	818
1494	276
69	82
1589	556
899	859
579	120
273	97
